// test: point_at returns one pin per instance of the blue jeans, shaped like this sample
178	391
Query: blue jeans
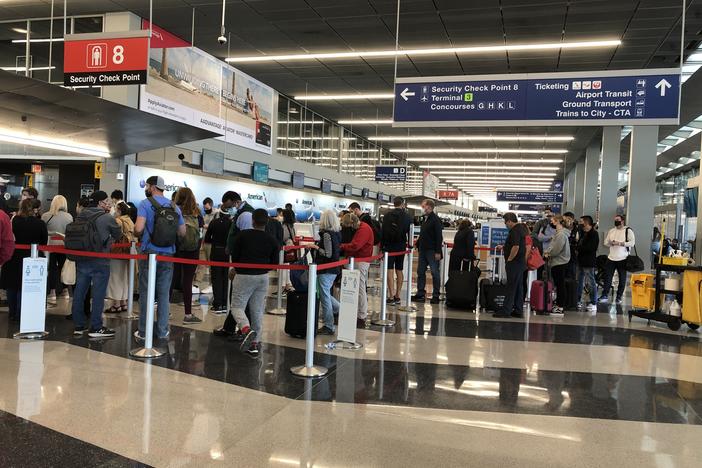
164	275
426	258
330	305
587	273
97	274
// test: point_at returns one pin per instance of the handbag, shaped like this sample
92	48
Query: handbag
290	256
68	273
633	262
534	259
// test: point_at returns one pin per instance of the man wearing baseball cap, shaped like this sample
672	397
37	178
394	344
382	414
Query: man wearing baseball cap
92	272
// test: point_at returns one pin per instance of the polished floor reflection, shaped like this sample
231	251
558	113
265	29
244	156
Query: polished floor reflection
440	387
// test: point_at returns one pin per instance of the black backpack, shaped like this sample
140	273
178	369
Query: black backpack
165	231
392	229
82	234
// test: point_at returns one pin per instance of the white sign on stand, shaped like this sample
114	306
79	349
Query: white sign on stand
348	301
33	310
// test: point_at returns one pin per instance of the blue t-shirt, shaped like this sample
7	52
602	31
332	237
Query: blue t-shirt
146	210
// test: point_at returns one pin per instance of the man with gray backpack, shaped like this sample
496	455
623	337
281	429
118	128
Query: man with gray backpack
159	224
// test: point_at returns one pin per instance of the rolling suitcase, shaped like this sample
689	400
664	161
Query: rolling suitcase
462	287
493	291
541	298
296	315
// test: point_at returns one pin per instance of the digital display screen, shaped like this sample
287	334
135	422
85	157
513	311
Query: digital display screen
212	162
260	172
326	186
298	180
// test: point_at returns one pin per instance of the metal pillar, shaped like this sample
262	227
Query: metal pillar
130	286
591	179
609	181
148	350
279	299
579	187
383	320
309	369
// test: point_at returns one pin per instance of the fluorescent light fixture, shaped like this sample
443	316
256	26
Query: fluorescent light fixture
24	68
453	175
432	51
483	160
478	150
302	122
30	141
343	97
471	138
477	169
365	122
314	138
24	41
498	183
20	30
459	179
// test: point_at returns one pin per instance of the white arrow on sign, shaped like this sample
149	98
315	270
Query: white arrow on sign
662	85
406	93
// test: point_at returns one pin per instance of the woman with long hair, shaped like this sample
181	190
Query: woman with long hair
28	229
289	235
118	285
188	246
463	251
56	219
328	251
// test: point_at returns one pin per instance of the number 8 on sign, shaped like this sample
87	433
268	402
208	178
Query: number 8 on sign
118	55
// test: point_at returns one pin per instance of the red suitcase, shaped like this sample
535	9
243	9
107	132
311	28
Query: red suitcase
541	301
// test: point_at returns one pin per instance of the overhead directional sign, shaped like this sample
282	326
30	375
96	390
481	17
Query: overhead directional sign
622	97
531	197
390	173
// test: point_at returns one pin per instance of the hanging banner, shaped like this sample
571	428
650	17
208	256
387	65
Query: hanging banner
430	184
105	59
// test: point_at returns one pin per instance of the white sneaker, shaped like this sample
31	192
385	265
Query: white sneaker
592	307
604	300
557	311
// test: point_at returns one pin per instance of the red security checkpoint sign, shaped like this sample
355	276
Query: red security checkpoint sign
106	59
447	194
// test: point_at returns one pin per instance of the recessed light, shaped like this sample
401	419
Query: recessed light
24	41
30	141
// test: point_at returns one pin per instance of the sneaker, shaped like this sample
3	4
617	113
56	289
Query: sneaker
516	315
618	301
557	311
138	337
592	307
325	331
604	300
78	331
434	300
397	300
248	339
102	332
390	301
418	298
254	349
580	306
191	320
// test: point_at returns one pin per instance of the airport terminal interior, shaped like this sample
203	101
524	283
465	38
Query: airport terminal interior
340	233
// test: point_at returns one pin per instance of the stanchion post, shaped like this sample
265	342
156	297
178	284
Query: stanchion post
130	286
409	307
383	320
34	252
309	369
444	254
351	263
148	350
279	298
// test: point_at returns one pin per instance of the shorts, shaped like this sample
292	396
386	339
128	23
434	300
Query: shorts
396	263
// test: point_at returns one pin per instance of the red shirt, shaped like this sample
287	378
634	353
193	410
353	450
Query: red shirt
7	239
361	245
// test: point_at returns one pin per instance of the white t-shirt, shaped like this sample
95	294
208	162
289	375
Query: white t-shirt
624	234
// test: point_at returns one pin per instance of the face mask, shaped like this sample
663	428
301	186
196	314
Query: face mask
147	193
208	211
617	223
553	226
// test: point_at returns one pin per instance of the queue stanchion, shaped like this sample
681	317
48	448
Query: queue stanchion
383	320
309	369
279	296
352	263
444	256
409	307
130	287
33	304
148	351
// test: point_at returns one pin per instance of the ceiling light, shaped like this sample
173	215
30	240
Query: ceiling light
315	138
477	169
303	122
343	97
445	175
20	30
433	51
450	179
53	145
24	41
365	122
478	150
20	69
471	138
483	160
500	183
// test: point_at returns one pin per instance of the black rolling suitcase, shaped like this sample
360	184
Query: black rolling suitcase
296	315
493	292
462	287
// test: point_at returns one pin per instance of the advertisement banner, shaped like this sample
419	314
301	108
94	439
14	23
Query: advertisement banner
307	206
193	87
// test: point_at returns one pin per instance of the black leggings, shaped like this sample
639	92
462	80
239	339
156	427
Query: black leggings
187	274
559	276
56	262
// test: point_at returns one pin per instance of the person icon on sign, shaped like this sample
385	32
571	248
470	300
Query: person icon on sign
96	56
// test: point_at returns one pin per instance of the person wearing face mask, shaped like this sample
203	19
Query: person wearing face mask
619	239
588	242
429	245
216	238
514	251
558	255
208	214
573	232
242	219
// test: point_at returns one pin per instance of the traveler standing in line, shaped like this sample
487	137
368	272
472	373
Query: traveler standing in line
275	229
514	252
558	255
188	247
573	234
250	285
27	229
118	286
289	235
395	238
288	206
429	246
588	243
208	214
93	273
216	238
116	197
159	223
361	246
366	217
56	219
619	239
29	193
463	251
328	251
7	238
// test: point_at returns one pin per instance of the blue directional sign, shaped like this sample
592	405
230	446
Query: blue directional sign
390	173
624	97
530	197
525	207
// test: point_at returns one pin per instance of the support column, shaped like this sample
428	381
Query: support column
591	179
579	186
641	191
570	190
609	181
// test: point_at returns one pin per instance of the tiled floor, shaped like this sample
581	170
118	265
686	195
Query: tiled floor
440	388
